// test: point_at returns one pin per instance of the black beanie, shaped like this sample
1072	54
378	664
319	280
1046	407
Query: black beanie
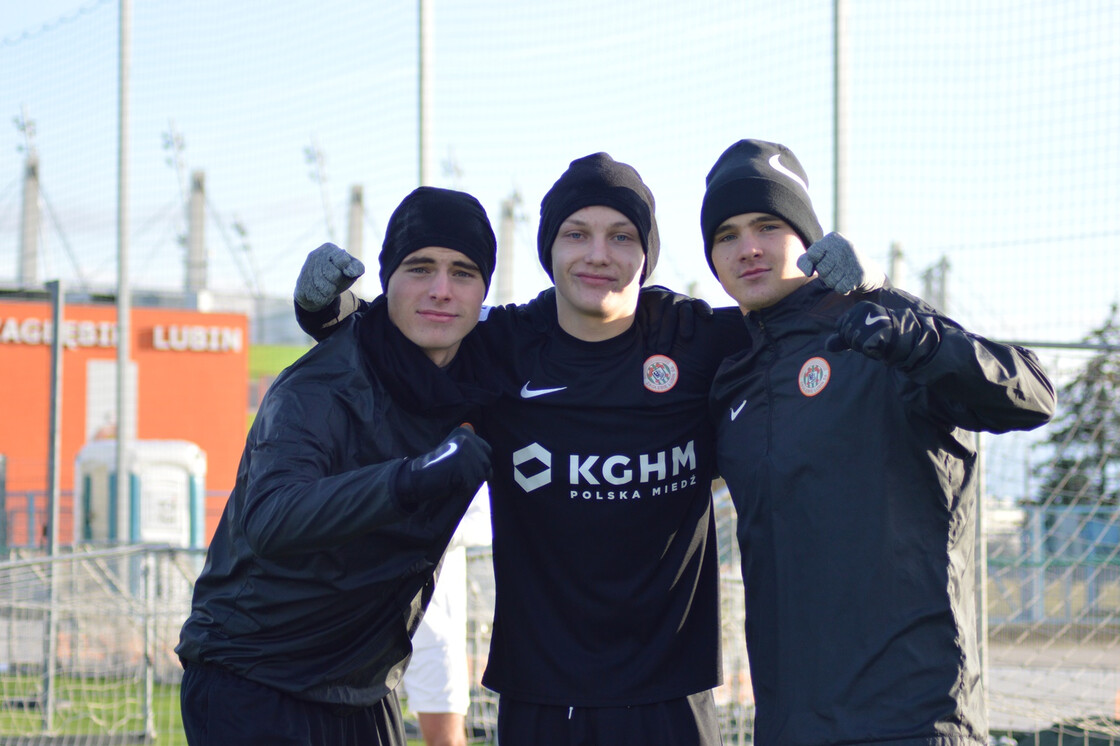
599	180
430	216
758	176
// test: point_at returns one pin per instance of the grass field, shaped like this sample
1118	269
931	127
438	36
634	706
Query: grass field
87	708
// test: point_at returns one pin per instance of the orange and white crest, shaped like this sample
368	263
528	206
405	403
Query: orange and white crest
814	376
659	373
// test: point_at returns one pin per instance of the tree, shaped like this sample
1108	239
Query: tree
1083	467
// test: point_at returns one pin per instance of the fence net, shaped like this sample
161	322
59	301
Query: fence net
107	621
979	162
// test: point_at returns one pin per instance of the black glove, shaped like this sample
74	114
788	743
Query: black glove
899	338
665	317
460	462
327	272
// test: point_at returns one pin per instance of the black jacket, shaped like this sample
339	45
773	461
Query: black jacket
316	577
855	487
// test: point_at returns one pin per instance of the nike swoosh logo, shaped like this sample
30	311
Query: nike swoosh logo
735	412
528	393
777	166
447	453
874	319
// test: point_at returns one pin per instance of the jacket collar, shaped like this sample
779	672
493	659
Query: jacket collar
790	310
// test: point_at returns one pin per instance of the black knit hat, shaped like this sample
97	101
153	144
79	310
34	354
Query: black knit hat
598	179
758	176
430	216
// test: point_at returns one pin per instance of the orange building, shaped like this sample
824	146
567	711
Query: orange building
190	376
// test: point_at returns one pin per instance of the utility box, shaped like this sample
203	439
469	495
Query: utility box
165	502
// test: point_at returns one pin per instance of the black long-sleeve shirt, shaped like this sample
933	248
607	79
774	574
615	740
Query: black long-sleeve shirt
605	556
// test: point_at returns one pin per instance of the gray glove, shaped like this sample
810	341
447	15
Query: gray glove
840	266
327	272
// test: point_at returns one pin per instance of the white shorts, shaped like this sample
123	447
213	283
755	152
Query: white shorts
436	679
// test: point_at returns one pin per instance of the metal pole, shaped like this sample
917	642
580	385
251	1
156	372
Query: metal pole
149	565
982	569
839	114
3	507
1035	602
124	299
50	642
425	89
56	291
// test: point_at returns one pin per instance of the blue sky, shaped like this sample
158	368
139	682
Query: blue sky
983	134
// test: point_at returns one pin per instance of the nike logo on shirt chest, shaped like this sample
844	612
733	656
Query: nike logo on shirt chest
531	393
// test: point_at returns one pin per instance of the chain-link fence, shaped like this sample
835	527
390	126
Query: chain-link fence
976	138
109	620
87	645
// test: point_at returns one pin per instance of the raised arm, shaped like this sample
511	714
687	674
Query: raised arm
840	266
322	296
978	384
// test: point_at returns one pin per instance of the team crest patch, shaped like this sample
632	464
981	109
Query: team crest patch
814	376
659	373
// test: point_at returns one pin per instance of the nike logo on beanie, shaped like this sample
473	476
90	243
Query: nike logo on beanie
776	164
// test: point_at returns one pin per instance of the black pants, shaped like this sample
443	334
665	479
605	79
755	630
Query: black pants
222	709
688	721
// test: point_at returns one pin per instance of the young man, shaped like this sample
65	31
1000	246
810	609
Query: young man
348	492
845	432
606	623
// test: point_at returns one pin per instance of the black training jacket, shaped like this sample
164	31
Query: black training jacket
316	578
855	487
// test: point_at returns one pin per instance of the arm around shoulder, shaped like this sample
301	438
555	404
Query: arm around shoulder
324	322
322	296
